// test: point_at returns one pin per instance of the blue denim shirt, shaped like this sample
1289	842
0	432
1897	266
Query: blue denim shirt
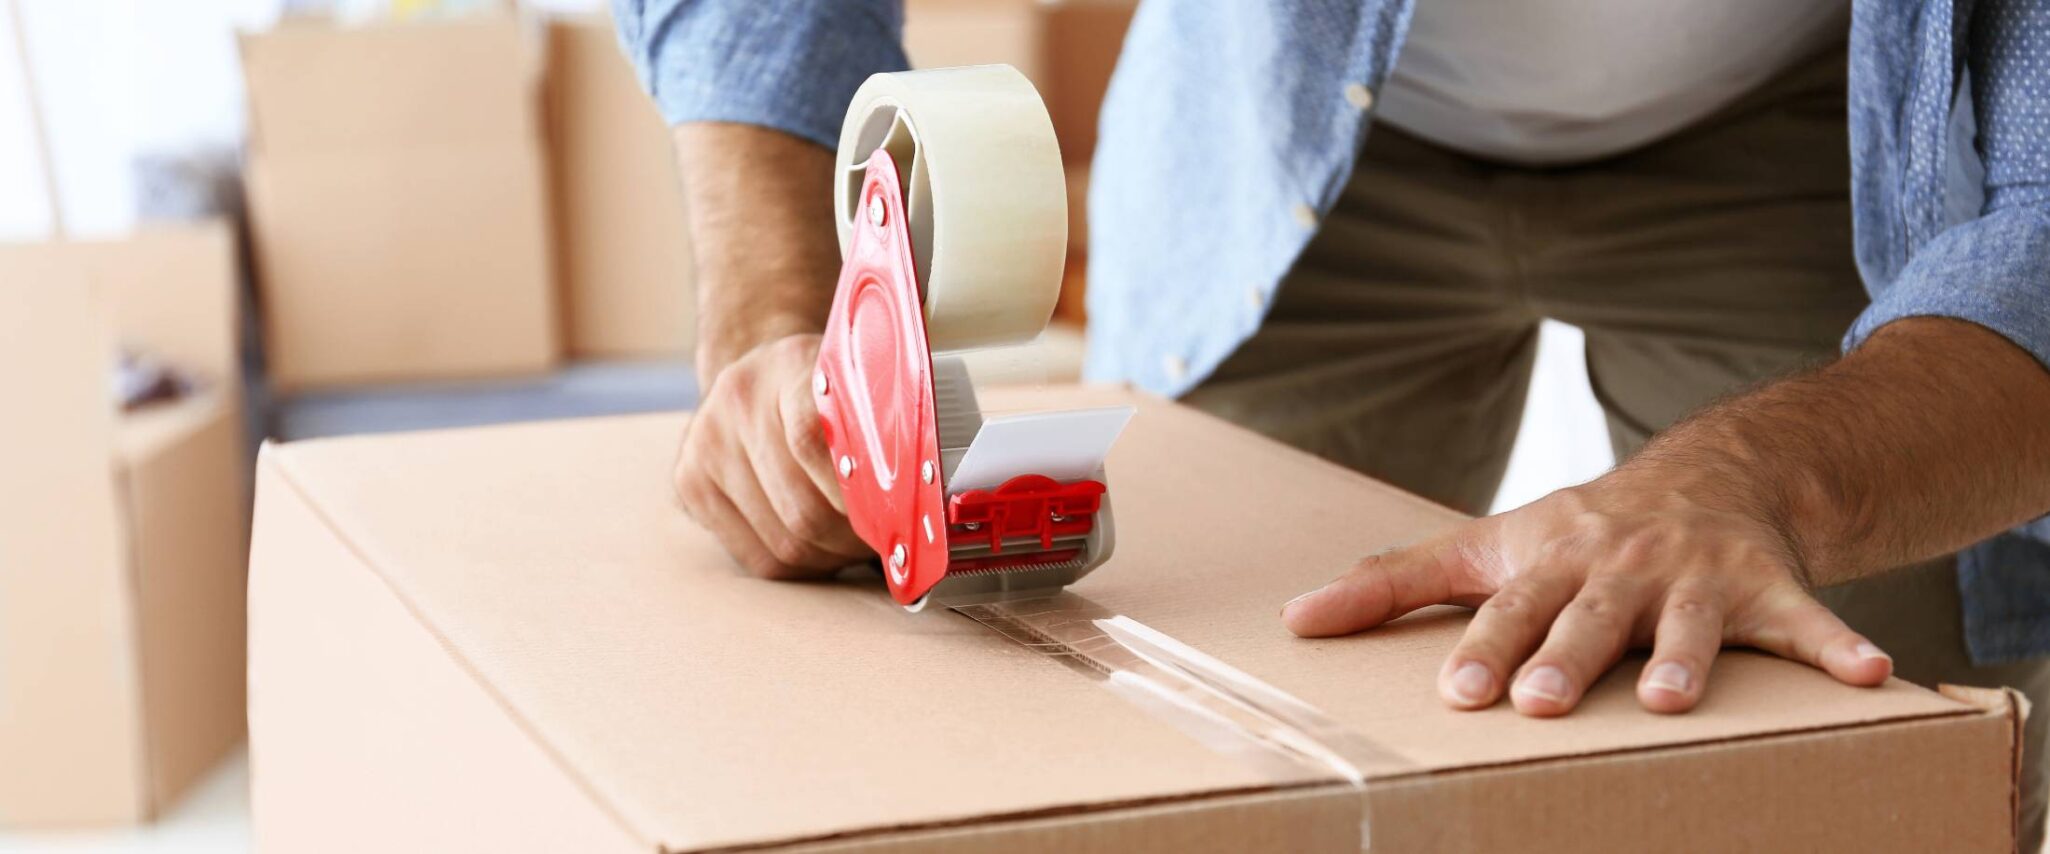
1231	127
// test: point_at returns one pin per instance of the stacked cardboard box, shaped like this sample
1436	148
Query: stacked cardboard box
625	247
122	537
399	201
405	229
510	639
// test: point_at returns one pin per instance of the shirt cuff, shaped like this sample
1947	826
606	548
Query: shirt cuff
791	65
1993	271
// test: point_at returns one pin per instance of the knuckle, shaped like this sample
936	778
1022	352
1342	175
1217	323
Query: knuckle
735	385
707	439
1511	603
788	346
789	550
765	565
1598	611
690	485
1692	606
811	521
1593	523
805	438
1639	549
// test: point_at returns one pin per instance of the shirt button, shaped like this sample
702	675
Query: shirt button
1305	216
1176	367
1358	95
1256	298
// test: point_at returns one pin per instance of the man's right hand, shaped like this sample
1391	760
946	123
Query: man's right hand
755	470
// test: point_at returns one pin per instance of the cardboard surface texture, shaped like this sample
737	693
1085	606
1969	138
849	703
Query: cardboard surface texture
399	201
122	537
622	236
511	639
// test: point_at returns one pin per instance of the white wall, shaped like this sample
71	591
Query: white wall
117	77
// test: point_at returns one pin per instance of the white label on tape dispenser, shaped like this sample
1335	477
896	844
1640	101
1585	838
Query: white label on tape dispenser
1065	446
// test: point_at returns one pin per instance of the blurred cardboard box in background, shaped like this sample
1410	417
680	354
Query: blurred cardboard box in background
122	536
623	242
398	201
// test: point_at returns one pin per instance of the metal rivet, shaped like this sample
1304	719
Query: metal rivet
971	526
846	466
925	471
875	210
897	555
818	382
1058	517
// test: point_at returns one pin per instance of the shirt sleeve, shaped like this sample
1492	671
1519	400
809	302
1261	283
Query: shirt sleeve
791	65
1993	270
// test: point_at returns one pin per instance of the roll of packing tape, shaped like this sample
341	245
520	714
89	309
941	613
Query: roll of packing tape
986	196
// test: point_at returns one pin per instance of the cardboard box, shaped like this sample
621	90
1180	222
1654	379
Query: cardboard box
1067	47
621	232
122	537
511	639
398	201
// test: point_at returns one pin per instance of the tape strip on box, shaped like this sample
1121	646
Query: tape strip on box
1229	711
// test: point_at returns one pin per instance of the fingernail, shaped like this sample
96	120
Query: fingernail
1671	677
1868	651
1290	604
1470	683
1545	683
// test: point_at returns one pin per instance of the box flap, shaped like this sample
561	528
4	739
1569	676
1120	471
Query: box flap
317	87
552	559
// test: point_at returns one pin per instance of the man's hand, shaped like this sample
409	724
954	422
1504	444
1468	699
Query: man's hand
755	470
1933	435
1568	583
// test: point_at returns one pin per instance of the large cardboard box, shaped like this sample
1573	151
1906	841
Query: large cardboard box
122	537
1067	47
398	201
510	639
619	216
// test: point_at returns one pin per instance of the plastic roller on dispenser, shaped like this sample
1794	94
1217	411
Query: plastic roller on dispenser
952	216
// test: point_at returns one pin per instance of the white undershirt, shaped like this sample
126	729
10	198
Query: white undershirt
1546	82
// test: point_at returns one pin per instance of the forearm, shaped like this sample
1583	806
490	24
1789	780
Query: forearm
1933	435
760	204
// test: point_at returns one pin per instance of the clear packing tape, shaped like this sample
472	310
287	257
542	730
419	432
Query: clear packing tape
1231	712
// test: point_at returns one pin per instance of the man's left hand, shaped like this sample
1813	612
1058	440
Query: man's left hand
1654	555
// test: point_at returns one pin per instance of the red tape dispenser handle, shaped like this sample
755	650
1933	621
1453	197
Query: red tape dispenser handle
874	390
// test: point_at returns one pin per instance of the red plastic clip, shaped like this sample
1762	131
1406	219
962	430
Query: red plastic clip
1027	505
